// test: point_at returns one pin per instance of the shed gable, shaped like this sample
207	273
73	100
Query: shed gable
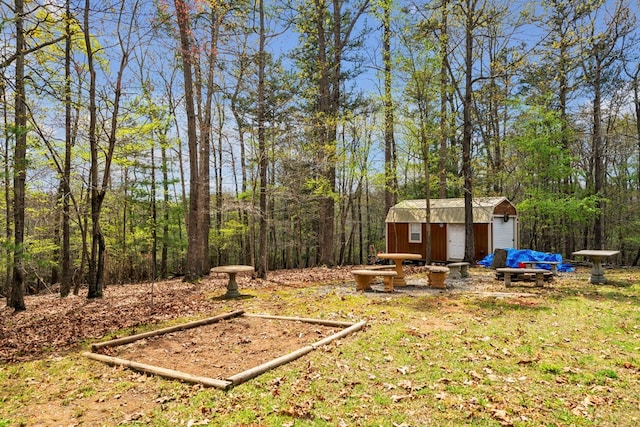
448	211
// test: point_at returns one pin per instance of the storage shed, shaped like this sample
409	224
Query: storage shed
495	225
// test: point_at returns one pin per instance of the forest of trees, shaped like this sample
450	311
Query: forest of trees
146	139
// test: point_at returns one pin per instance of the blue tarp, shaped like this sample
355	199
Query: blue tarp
517	256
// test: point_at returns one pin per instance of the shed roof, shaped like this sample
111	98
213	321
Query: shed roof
449	211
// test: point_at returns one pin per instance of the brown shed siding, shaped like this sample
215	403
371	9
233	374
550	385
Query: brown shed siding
505	208
438	242
481	240
398	240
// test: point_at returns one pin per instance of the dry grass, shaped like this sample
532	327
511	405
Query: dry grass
568	354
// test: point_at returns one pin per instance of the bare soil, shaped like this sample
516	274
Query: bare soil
224	348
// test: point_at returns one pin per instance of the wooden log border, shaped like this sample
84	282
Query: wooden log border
162	372
233	380
183	327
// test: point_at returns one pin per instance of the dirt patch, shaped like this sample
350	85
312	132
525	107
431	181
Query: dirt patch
224	348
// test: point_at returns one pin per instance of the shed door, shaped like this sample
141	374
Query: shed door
504	233
455	242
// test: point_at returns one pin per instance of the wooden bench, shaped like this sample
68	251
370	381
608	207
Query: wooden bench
437	276
363	279
523	274
458	270
552	264
379	267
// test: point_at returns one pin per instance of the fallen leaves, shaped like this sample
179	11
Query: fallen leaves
397	398
58	324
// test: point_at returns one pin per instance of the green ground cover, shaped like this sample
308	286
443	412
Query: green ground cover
567	356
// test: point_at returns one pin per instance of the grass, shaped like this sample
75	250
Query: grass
570	356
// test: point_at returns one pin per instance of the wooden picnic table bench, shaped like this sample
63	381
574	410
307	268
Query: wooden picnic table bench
437	276
521	273
552	264
363	278
379	267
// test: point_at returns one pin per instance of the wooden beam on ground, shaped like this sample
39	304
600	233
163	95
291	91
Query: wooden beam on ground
260	369
303	319
126	340
163	372
337	335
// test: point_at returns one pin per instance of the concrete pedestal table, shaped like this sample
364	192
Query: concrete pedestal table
597	272
399	258
232	270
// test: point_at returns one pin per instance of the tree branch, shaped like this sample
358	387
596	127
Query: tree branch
13	57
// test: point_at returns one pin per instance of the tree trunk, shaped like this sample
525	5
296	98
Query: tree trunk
469	251
154	217
5	288
390	174
99	188
247	220
563	94
16	297
427	195
326	212
194	255
65	280
204	193
598	163
261	267
95	281
636	104
444	115
164	271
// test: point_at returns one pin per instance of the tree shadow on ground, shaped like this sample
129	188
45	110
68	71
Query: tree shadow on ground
475	303
616	289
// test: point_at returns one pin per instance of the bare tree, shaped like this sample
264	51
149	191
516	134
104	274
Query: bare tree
390	167
99	185
16	295
262	149
603	47
194	255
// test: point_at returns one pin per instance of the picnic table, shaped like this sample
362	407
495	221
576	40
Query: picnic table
232	271
511	274
398	258
552	264
596	256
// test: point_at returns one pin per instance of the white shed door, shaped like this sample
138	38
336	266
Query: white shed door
504	233
455	242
